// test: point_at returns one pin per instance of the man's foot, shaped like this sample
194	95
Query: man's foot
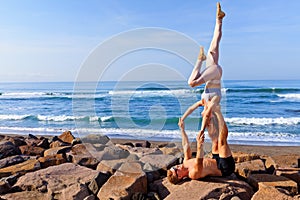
220	13
201	55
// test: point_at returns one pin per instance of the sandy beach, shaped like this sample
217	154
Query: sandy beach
256	149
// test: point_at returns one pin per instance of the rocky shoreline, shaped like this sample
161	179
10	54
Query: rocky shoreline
96	167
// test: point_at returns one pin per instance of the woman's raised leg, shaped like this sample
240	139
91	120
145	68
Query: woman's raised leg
213	52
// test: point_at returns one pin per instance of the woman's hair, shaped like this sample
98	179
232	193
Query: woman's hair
172	177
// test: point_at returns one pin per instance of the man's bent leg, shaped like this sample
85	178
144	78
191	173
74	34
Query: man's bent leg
213	133
224	150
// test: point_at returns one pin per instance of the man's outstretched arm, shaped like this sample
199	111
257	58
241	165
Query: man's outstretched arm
196	173
200	151
185	141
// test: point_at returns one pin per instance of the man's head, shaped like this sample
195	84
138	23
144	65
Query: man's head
177	173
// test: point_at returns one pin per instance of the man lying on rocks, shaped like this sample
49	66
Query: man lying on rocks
222	163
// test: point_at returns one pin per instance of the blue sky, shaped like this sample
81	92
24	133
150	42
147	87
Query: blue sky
50	40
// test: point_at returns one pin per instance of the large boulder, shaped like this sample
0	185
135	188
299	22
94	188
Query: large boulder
113	152
7	148
293	175
243	157
67	137
270	193
96	139
58	143
31	150
128	180
12	160
160	161
21	168
57	150
4	187
259	180
16	140
80	155
26	195
65	181
51	160
6	183
110	166
97	182
140	151
171	150
244	169
208	188
282	161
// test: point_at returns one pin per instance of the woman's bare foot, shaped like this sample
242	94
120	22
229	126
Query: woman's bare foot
201	55
220	13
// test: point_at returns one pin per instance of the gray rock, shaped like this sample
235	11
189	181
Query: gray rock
8	149
26	195
260	180
140	151
208	188
11	180
244	169
67	137
80	155
65	181
128	180
56	150
4	187
160	161
268	192
95	139
16	140
97	182
21	168
12	160
114	152
110	166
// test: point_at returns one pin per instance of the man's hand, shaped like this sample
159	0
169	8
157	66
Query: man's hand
181	124
200	137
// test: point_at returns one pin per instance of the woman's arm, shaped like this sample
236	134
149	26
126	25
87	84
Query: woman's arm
191	109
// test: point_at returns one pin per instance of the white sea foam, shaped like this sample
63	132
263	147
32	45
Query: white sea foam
26	130
32	95
23	94
150	92
233	120
263	121
291	96
106	118
13	117
62	118
93	119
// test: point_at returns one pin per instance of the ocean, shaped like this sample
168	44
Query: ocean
256	112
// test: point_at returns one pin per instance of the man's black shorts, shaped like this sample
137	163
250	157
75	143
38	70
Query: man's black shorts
226	165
